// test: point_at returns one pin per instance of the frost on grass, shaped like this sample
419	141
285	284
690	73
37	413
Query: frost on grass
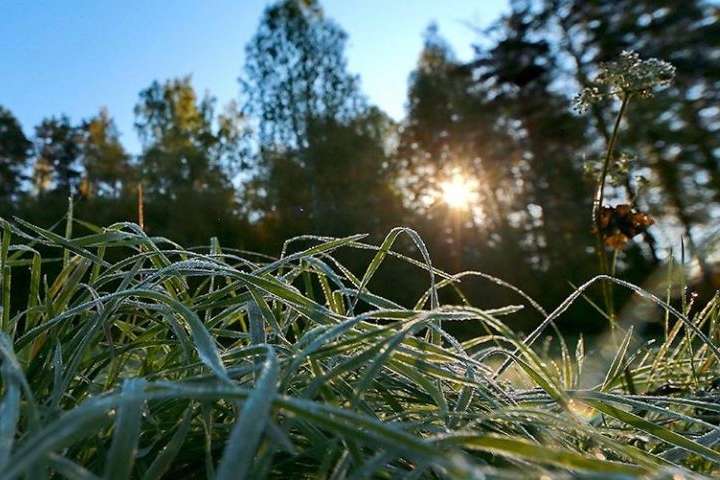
213	348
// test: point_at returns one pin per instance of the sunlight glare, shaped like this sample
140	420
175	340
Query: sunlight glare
459	192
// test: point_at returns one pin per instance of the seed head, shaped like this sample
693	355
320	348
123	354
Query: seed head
628	75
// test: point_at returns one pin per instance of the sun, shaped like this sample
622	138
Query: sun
459	192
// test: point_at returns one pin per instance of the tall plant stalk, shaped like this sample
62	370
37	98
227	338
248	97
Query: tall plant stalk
629	75
597	204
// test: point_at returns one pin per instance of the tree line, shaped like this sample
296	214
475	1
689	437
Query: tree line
305	152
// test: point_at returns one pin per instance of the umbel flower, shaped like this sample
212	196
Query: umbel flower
629	75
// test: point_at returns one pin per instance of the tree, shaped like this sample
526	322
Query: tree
450	129
107	164
321	155
500	122
431	139
519	70
351	165
295	73
57	165
189	155
14	153
185	144
348	166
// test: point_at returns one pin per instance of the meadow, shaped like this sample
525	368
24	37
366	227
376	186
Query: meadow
129	356
154	350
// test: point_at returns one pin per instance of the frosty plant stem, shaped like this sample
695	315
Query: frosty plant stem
627	76
597	203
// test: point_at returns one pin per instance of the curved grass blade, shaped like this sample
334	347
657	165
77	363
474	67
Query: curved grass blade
9	405
121	457
541	454
245	436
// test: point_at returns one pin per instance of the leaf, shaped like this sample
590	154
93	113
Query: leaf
70	469
9	405
656	430
618	362
541	454
245	436
121	457
170	451
79	422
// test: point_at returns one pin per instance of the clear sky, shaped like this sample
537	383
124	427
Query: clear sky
74	56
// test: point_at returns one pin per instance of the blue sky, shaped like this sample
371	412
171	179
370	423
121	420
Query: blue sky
75	56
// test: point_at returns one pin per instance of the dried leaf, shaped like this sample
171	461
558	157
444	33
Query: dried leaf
619	224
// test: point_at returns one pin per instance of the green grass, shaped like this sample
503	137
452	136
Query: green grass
125	356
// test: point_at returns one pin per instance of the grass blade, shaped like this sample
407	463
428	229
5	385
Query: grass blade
121	457
246	433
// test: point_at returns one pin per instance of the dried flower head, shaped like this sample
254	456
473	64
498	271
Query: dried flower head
619	224
628	75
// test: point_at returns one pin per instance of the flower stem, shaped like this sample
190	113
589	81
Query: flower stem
597	204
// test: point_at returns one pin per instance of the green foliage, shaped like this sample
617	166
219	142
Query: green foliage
57	167
141	359
322	161
124	354
14	154
107	164
329	187
305	152
186	146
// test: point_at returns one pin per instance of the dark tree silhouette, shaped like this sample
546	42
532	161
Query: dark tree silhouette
15	151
